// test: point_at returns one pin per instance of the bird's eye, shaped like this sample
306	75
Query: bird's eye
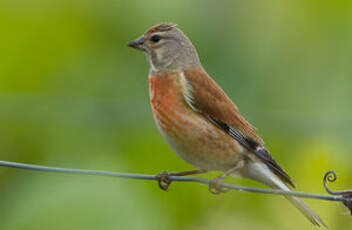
155	38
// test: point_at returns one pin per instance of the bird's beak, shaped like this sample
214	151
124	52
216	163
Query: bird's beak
138	43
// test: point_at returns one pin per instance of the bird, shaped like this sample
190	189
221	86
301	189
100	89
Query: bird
200	122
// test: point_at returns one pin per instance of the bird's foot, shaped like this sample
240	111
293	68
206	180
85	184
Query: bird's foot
215	187
163	180
164	177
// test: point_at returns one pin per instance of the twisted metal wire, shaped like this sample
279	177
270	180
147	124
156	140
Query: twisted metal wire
344	196
330	176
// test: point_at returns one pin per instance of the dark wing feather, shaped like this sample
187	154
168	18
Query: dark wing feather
260	151
223	113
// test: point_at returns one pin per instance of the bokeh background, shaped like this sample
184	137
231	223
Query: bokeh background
72	94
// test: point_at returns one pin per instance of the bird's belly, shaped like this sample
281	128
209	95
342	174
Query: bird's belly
196	140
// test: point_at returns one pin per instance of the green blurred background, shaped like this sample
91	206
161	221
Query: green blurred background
72	94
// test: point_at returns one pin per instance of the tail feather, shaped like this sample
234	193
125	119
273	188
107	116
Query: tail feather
260	172
306	211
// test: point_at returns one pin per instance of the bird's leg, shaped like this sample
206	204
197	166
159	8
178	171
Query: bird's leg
214	185
164	181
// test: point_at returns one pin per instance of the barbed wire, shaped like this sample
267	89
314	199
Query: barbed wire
344	196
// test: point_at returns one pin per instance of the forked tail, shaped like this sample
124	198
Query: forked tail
260	172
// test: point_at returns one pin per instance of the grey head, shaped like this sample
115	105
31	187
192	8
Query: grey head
167	48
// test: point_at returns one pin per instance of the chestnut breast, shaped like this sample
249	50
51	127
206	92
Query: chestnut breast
188	133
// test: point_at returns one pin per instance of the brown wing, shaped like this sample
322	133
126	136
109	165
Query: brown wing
213	103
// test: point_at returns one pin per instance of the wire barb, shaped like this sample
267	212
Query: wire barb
330	176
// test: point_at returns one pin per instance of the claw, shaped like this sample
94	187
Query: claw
215	187
163	180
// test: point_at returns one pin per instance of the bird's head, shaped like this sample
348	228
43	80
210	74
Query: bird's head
167	48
